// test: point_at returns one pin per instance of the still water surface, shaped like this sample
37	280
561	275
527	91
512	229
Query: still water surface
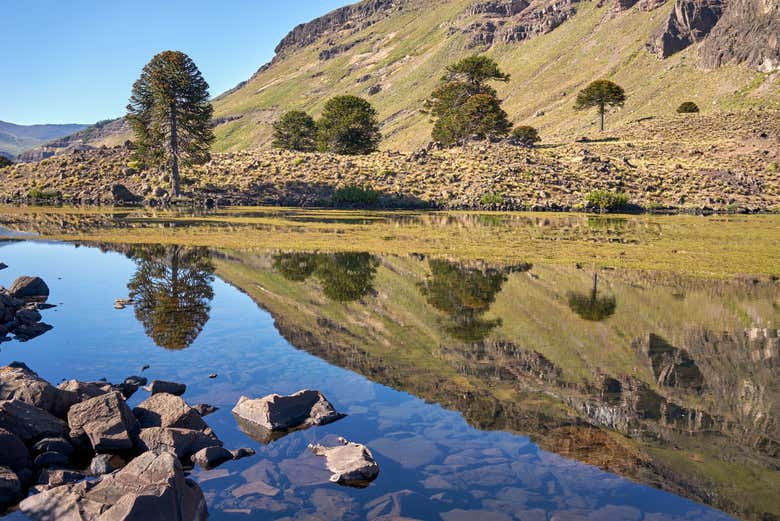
489	392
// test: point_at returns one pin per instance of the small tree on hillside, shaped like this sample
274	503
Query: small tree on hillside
525	135
348	126
601	94
465	106
170	113
295	130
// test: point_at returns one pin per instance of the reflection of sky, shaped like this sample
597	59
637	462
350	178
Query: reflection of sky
432	461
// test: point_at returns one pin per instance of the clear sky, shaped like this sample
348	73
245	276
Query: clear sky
74	61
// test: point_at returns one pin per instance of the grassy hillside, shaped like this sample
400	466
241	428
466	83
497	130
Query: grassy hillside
405	53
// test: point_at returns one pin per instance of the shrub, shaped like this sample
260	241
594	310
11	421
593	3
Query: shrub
135	165
604	200
688	107
491	199
525	135
39	194
356	195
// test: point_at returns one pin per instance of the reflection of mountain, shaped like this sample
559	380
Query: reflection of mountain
172	290
675	389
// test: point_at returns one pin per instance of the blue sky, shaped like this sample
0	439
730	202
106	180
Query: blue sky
75	61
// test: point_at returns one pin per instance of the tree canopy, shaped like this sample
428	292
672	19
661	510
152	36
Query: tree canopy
170	114
295	130
348	126
464	106
601	94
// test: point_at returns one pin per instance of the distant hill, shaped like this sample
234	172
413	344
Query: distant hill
15	139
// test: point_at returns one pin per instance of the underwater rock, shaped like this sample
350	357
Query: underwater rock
351	463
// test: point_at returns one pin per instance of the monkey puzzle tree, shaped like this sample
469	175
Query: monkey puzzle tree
601	94
170	114
295	130
464	106
348	126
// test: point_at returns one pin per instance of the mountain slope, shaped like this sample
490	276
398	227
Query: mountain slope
394	51
15	139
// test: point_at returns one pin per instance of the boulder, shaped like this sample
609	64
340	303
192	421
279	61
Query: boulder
211	457
105	464
152	487
351	463
53	444
168	410
28	316
56	477
85	390
10	487
182	442
262	417
29	288
19	382
205	409
25	332
13	452
29	422
51	459
161	386
121	194
243	452
106	420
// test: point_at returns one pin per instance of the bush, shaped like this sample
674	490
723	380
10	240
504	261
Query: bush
491	199
525	135
688	107
355	195
604	200
39	194
135	165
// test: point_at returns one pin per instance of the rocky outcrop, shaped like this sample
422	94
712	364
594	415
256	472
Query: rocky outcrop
748	32
352	17
690	22
351	463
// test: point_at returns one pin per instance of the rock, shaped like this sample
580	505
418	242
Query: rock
182	442
13	452
106	420
689	22
54	444
121	194
56	477
278	414
19	382
161	386
85	390
28	316
167	410
3	266
205	409
151	487
29	288
25	332
10	487
51	459
211	457
243	452
29	422
105	464
351	463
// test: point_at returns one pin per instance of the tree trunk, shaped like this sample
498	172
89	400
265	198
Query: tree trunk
602	108
174	153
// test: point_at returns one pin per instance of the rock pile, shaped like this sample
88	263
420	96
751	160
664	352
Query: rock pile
79	448
20	307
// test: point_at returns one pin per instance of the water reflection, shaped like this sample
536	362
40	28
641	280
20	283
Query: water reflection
172	290
591	306
345	277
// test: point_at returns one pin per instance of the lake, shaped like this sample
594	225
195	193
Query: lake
499	366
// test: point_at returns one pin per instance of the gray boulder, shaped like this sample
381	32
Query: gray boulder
161	386
29	422
211	457
106	420
51	459
19	382
351	463
10	487
13	452
152	487
262	417
181	442
121	194
168	410
53	444
29	288
85	390
105	464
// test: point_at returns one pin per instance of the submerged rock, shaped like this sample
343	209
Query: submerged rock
161	386
205	409
150	487
265	418
106	420
351	463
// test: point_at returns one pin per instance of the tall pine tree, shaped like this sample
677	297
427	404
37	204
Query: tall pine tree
170	113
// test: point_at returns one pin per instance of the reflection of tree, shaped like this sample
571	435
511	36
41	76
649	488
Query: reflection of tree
345	277
172	291
590	306
464	295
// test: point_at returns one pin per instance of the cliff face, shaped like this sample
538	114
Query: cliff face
690	22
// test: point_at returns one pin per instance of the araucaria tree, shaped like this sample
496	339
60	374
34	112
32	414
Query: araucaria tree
170	114
295	130
348	126
601	94
464	106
